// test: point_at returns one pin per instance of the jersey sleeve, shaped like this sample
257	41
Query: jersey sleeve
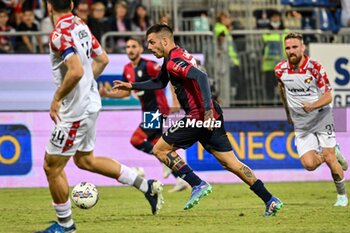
278	70
178	67
124	79
63	43
96	47
322	79
160	82
153	69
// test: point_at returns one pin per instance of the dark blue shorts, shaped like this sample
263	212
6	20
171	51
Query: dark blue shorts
185	137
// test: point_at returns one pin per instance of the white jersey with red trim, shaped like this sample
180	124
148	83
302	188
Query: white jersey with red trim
72	36
303	85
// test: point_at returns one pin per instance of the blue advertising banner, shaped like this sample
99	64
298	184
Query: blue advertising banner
15	150
258	144
335	60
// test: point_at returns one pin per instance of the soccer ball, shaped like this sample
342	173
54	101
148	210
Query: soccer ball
85	195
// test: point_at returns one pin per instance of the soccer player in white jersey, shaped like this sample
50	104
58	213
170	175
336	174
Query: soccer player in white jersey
77	59
307	95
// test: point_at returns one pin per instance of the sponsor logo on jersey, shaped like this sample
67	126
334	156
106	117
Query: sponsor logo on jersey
176	67
55	35
296	90
179	63
308	80
82	34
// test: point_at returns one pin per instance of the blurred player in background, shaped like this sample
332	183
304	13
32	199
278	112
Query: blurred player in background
140	69
77	60
193	92
307	95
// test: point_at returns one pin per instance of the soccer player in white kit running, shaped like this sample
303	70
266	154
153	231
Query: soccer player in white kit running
307	95
77	59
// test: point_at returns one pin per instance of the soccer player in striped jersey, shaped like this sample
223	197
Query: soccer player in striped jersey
203	122
77	60
307	95
140	69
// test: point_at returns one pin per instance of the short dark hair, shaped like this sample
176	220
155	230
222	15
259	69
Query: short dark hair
60	5
4	11
134	38
294	35
160	27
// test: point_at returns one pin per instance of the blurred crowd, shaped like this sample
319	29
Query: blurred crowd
101	16
232	51
130	15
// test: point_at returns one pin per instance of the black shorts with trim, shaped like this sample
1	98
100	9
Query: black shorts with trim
185	137
151	133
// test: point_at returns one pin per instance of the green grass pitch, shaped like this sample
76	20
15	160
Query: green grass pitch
230	208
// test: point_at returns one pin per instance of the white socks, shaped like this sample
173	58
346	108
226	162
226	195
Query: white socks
130	177
64	213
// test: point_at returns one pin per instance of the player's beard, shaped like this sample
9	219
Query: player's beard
132	56
294	59
159	52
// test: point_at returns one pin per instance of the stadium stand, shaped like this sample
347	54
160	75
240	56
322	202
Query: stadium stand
193	22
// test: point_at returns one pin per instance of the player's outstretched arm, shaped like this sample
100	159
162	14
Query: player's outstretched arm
121	85
152	84
114	93
99	64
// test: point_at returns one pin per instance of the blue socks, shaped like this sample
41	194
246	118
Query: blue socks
259	189
187	174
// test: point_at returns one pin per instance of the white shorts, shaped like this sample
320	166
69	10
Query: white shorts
69	137
307	141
